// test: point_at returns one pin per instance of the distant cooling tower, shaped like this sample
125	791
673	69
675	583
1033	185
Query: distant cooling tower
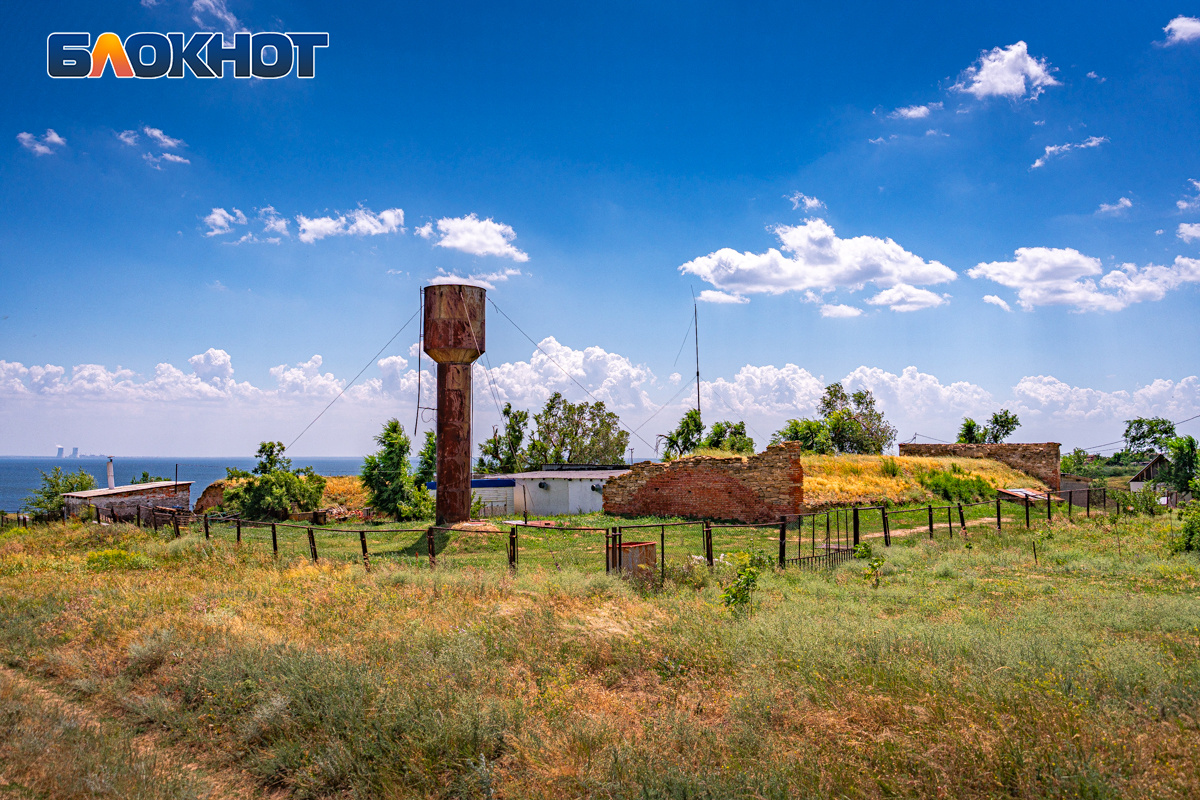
74	452
454	338
60	451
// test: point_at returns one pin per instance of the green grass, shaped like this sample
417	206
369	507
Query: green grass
970	671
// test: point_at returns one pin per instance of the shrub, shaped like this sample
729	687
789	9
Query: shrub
956	485
47	499
1188	539
890	467
275	494
738	596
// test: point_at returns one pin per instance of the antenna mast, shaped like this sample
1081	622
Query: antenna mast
696	328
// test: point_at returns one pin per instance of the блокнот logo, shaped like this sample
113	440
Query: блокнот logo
157	55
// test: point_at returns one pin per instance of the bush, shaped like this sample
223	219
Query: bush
47	499
275	494
1188	540
957	486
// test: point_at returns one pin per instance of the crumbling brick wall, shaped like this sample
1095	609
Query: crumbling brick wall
1039	460
759	489
126	503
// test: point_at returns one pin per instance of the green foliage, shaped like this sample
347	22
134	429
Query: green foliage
685	438
273	490
729	436
1147	436
738	596
106	560
427	460
47	499
890	467
147	478
385	474
1075	462
1188	539
956	486
812	434
855	425
505	452
1182	454
971	433
577	433
862	550
872	571
1001	426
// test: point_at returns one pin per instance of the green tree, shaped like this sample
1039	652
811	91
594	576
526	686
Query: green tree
1076	462
971	433
273	490
577	433
813	435
729	436
685	438
505	452
1147	436
1001	426
1182	455
47	499
146	478
385	474
855	424
427	460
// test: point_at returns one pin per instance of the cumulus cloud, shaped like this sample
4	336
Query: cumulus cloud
215	15
128	137
171	158
799	201
840	311
1188	231
1096	77
915	112
1045	276
903	297
997	301
479	237
221	221
713	296
1182	30
818	262
1115	208
1007	72
272	221
43	146
487	280
425	231
160	138
1188	202
306	378
1055	150
213	366
360	222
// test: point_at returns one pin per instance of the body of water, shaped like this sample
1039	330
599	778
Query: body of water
20	475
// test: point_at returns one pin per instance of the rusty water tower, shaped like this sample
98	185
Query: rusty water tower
454	338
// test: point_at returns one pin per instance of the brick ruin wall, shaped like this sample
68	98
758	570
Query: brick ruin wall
1039	460
759	489
126	503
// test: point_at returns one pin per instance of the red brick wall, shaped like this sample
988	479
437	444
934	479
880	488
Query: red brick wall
1039	460
758	489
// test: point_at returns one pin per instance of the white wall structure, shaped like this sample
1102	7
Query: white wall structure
553	492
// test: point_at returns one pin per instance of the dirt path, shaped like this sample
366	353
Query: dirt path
215	783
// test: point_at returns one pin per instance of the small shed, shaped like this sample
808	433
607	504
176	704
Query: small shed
1148	473
124	500
555	489
495	491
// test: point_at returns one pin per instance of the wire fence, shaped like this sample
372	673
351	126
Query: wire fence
811	541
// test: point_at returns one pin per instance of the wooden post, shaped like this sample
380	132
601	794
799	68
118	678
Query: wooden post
1070	503
362	538
783	539
274	541
998	525
429	548
708	549
962	521
512	549
949	522
931	520
139	516
154	515
1026	511
206	526
175	523
239	530
1087	499
1049	506
608	534
662	554
312	545
856	529
887	534
1035	552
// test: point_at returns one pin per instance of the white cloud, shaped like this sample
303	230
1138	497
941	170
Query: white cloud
997	301
306	378
712	296
1188	231
674	378
479	237
1046	276
1190	201
213	366
425	231
128	137
161	138
221	221
1182	30
799	200
272	221
1096	77
1055	150
840	311
487	280
221	17
915	112
1007	72
903	297
819	262
360	222
174	158
41	147
1115	208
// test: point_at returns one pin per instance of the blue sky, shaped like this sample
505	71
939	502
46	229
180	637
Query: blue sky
961	207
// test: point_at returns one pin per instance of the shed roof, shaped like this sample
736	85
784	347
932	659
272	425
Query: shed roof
568	475
130	489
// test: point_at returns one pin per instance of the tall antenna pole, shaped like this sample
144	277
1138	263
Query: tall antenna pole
696	328
420	347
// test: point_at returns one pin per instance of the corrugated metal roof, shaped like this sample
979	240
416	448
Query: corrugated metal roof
568	475
134	487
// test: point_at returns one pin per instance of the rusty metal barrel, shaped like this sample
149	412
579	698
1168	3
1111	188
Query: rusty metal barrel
454	338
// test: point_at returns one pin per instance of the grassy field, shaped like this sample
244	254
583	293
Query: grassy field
970	671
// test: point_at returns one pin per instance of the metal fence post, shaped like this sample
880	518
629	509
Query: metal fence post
239	530
1070	503
931	520
856	526
998	526
887	534
362	538
662	555
139	516
206	535
783	539
1087	499
1049	506
429	548
708	549
512	549
962	521
1026	511
312	545
274	541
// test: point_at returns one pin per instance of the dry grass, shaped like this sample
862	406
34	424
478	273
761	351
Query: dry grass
346	491
848	480
970	672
